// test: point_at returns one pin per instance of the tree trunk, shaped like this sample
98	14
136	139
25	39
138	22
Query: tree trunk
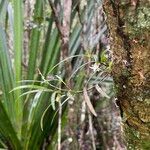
129	24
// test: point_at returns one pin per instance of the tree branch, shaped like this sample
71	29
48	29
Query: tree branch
56	17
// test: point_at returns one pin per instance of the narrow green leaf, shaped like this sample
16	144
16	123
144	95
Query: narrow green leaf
64	60
7	130
61	80
3	11
18	37
49	50
30	87
41	122
18	46
6	76
35	39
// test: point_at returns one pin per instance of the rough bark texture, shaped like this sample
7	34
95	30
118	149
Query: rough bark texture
129	23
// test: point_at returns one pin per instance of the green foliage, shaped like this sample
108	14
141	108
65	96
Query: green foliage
30	94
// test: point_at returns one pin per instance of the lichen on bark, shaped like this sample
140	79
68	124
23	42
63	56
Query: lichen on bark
129	23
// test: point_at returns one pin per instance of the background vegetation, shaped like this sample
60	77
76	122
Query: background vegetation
56	89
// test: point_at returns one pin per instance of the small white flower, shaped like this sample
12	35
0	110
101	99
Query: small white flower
124	86
95	67
108	47
70	139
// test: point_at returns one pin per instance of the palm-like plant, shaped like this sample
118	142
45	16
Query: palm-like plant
27	118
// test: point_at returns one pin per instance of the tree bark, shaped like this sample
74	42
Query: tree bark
129	24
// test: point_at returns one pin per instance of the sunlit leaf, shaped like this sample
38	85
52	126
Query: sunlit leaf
53	99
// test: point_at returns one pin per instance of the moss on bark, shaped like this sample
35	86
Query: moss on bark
129	23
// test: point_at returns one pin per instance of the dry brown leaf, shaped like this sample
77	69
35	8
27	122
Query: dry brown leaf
101	91
88	102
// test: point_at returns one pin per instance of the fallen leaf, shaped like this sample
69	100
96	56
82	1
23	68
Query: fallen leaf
88	102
